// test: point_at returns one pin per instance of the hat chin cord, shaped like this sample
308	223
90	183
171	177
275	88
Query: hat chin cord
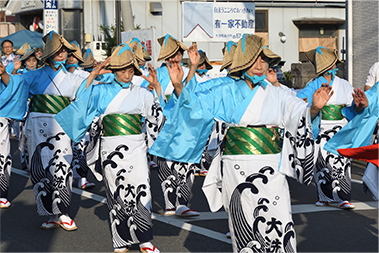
58	63
122	84
332	72
255	79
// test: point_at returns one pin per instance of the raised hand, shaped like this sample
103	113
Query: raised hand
360	100
320	98
193	55
17	63
3	74
2	68
153	80
176	73
99	70
272	77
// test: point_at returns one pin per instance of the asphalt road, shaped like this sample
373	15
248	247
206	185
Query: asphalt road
319	229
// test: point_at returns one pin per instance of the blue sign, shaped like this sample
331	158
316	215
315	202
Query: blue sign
51	4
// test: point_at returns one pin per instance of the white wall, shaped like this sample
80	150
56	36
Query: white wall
279	20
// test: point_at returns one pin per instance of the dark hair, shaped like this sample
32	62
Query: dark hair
2	43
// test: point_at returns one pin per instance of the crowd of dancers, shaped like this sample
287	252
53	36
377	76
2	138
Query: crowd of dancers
246	132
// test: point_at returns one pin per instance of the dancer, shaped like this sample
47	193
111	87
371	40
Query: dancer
252	184
123	158
52	89
332	172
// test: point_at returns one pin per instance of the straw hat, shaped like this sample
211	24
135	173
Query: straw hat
29	53
123	57
77	53
53	43
169	47
146	55
89	60
22	50
204	59
137	47
322	58
228	52
248	49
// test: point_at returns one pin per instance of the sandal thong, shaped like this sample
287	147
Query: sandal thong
149	250
68	226
49	225
346	205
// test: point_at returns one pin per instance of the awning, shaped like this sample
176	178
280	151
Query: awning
318	21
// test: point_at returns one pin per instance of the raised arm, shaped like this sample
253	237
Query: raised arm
194	57
360	100
176	73
4	75
320	98
153	80
99	70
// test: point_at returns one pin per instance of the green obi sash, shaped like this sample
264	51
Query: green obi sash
252	141
52	104
332	112
122	124
168	97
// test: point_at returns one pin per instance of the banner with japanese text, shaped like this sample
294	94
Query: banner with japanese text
206	22
50	16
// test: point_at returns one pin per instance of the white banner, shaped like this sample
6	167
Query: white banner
50	16
147	38
212	22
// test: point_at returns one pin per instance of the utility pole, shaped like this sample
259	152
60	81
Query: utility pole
118	21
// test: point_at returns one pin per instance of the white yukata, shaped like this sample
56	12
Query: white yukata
12	107
332	172
79	163
121	152
49	147
5	157
250	184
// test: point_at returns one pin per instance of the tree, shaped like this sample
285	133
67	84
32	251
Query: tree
110	37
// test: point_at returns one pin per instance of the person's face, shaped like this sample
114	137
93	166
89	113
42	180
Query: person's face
31	62
177	57
125	75
259	67
202	66
7	48
141	63
61	55
71	59
39	53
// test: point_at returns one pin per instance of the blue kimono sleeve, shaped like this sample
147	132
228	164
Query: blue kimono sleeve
308	91
9	69
186	131
14	97
358	132
76	118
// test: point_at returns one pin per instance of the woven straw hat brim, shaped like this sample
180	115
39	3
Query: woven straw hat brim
170	48
54	45
228	57
23	49
146	55
28	54
137	49
254	45
77	53
204	59
87	64
124	60
322	62
89	61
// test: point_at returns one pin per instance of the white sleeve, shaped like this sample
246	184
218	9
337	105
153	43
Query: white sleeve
373	75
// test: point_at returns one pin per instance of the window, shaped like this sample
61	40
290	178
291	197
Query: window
261	20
